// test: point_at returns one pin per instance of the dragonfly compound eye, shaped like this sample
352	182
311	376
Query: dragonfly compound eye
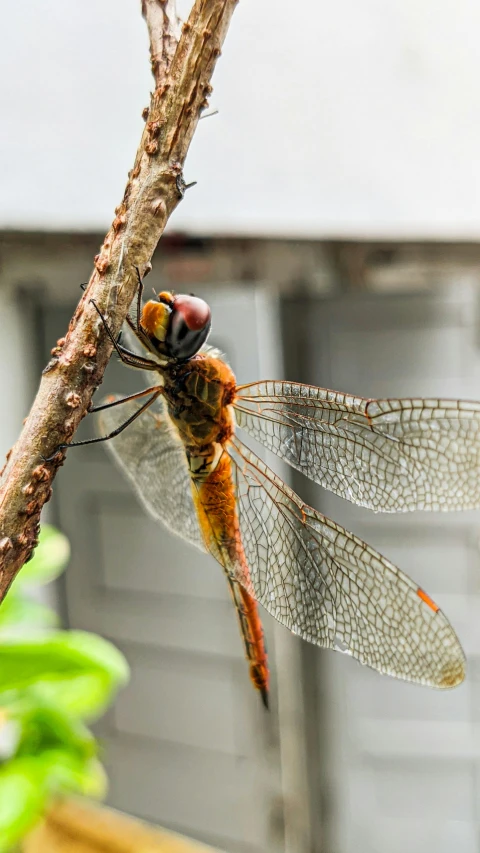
188	328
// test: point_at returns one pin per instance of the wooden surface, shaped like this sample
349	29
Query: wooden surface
74	826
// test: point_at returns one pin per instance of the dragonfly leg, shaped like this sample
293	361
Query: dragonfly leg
123	400
136	325
129	358
139	299
115	432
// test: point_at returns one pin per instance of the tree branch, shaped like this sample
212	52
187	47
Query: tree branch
164	30
155	186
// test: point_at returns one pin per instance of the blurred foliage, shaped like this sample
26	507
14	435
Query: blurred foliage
51	683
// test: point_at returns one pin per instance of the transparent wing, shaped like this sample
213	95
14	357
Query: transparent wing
152	457
329	587
387	455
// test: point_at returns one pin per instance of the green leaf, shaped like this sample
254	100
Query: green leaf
52	663
64	772
95	780
46	726
86	696
95	651
49	560
23	797
28	783
49	682
19	613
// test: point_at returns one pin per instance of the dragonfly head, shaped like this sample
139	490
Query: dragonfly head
177	326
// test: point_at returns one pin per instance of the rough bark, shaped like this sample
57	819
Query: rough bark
155	185
164	29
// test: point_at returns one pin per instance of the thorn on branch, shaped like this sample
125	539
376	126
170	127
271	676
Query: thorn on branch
182	186
209	115
51	365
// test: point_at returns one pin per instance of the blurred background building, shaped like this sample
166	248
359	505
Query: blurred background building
333	229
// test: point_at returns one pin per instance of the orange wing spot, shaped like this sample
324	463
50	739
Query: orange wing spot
426	598
452	675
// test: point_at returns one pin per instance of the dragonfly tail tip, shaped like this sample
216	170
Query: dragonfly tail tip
265	697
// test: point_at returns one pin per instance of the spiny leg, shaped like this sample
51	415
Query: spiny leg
136	326
128	358
115	432
132	360
137	329
139	299
122	400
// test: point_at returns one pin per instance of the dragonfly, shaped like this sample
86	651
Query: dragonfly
182	453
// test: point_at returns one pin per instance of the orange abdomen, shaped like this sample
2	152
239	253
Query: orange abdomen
215	500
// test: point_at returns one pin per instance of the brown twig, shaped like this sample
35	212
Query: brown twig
164	30
155	185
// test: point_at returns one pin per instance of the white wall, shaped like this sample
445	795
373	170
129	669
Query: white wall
352	118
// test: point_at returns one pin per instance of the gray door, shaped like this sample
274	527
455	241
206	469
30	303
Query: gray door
188	744
402	769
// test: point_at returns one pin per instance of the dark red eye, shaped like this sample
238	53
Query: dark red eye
194	311
188	327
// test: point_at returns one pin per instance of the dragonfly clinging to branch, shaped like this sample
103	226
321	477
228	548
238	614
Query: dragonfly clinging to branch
181	450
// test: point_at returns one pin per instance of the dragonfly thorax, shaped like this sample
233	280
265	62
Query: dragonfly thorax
199	394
